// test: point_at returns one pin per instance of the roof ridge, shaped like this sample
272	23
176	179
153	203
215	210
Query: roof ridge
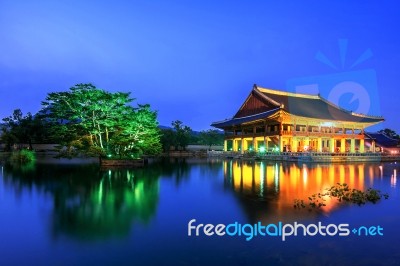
367	116
255	114
286	93
256	90
244	117
221	121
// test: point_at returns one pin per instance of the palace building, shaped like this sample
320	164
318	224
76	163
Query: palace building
273	120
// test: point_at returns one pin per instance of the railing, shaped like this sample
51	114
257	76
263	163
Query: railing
330	134
298	154
307	154
311	157
257	134
293	133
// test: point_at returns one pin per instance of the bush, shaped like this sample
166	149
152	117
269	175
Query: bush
23	156
342	193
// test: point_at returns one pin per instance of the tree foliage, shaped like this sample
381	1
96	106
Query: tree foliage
178	137
24	129
96	122
168	139
211	137
182	134
390	133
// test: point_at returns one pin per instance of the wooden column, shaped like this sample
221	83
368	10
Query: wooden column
295	142
280	144
343	145
332	145
352	145
362	148
254	139
225	145
307	142
319	145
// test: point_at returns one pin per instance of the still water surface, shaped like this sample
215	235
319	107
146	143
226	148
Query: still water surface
77	214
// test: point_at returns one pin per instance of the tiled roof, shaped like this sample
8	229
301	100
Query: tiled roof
314	106
241	120
381	139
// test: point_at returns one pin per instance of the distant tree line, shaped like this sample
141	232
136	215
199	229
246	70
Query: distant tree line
179	136
91	121
390	133
27	129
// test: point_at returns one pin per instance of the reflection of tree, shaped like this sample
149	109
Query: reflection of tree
120	197
213	168
92	204
177	168
180	169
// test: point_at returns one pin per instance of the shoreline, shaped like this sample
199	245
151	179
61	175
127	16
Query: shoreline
49	157
309	157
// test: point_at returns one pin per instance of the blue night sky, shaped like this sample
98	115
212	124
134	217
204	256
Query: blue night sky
195	61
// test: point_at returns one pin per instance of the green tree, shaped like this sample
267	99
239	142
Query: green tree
168	139
211	137
20	129
17	128
8	138
137	133
182	133
390	133
96	122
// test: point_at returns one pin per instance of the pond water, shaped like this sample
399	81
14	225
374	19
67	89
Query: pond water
67	213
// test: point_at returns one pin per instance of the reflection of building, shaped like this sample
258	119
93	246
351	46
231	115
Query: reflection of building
283	121
275	186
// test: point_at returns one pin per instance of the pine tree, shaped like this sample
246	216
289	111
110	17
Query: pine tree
96	122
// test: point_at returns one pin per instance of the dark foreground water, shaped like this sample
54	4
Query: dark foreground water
74	214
